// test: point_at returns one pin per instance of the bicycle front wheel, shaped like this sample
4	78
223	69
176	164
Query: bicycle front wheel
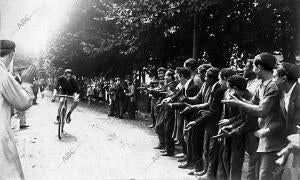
61	123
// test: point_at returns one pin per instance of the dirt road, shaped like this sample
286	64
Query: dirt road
94	147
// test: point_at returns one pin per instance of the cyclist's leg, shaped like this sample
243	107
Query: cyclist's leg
60	104
74	105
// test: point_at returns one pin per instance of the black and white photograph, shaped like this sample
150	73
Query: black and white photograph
149	89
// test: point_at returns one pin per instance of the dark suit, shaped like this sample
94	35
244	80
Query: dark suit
209	119
191	91
292	116
233	149
121	98
165	117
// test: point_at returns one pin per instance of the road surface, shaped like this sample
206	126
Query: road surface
95	146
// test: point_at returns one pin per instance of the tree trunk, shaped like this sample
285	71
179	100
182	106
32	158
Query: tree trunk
195	37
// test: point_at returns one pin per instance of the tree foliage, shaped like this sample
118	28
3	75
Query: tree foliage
133	33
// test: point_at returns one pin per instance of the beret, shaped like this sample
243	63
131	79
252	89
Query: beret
7	44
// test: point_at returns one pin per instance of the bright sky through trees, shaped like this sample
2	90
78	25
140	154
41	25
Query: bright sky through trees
33	23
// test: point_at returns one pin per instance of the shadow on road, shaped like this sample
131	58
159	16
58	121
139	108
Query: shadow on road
68	138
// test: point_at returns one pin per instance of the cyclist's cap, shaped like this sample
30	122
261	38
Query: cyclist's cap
68	71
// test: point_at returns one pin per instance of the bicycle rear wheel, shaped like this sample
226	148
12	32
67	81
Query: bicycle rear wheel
61	123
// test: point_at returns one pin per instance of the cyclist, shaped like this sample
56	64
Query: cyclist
67	85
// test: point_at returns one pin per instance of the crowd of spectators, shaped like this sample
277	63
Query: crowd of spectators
216	116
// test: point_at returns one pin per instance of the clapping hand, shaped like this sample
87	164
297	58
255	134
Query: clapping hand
224	122
234	101
283	154
190	125
261	132
29	74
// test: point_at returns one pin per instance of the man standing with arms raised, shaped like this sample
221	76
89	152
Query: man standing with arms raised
266	106
18	96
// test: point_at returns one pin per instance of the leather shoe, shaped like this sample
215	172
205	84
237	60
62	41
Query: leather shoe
182	159
160	146
24	126
207	176
151	126
163	150
168	154
192	172
185	166
200	173
180	155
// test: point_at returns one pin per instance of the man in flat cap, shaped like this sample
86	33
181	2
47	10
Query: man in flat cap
266	106
18	96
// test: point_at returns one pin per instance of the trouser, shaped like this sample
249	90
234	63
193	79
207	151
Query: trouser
113	108
117	107
153	110
22	117
237	152
195	146
122	107
131	109
168	130
34	98
269	169
179	132
211	149
224	159
231	157
159	127
253	163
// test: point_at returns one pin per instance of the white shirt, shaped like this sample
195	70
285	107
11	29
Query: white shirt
186	85
11	94
252	85
287	97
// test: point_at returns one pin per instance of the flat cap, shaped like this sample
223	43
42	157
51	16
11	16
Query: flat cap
7	44
6	47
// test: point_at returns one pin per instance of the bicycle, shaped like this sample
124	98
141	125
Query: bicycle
63	111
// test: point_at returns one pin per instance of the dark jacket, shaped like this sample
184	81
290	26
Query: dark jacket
292	117
191	91
214	112
244	123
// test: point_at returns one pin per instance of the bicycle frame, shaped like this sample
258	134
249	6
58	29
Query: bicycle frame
62	115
